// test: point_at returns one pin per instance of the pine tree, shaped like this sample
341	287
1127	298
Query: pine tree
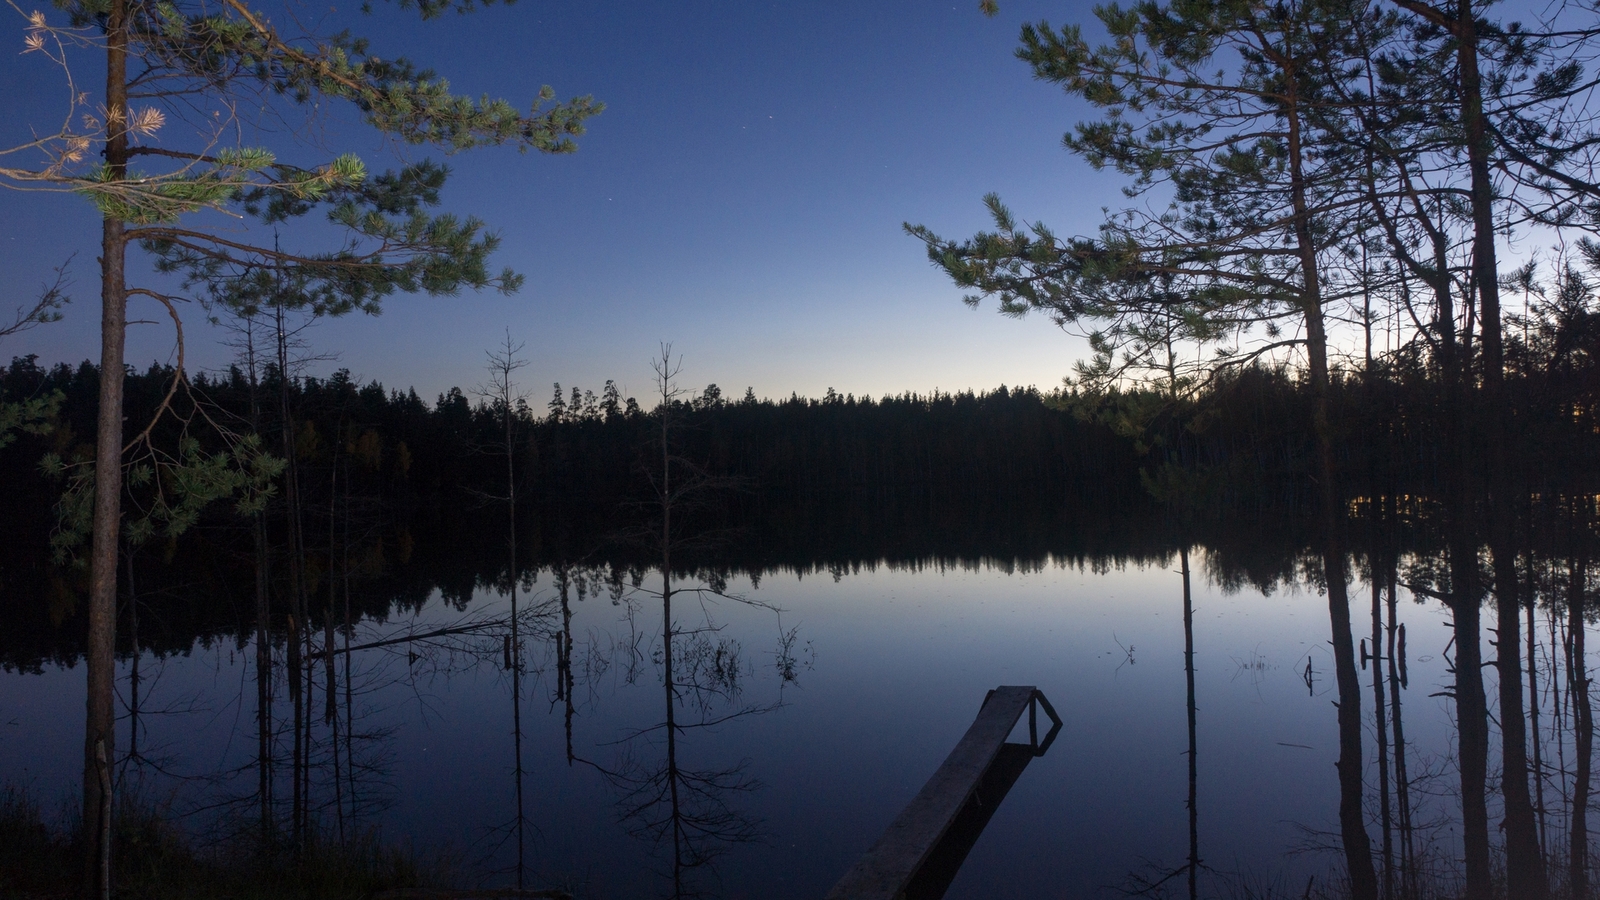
161	147
1219	109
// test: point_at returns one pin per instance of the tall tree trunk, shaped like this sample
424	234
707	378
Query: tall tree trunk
1525	876
1533	714
263	678
1402	780
564	641
1472	708
1583	732
516	636
1380	718
1352	823
564	681
99	740
1472	713
349	629
133	674
667	631
1194	780
1457	18
300	660
1560	703
330	705
263	611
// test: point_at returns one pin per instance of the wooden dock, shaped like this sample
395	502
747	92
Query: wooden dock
923	848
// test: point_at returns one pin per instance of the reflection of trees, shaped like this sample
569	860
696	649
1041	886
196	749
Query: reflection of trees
685	808
1387	656
343	768
1153	885
503	397
1194	771
689	811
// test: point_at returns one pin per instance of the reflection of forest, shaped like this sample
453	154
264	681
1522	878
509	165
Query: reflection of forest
202	590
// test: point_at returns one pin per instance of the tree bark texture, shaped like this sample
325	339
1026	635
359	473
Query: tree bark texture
99	742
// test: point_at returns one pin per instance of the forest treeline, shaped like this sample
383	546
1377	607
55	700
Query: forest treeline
1245	442
586	449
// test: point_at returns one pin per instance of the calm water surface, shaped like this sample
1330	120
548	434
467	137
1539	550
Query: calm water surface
826	716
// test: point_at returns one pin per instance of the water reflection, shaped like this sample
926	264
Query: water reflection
658	724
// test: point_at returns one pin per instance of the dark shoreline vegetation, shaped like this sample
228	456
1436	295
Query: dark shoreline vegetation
39	860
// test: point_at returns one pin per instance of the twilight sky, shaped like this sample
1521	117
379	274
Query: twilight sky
741	197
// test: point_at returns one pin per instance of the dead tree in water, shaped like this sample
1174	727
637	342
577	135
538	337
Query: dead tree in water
246	326
1380	718
1530	601
502	394
263	604
1583	730
687	810
1188	673
299	637
1395	652
330	705
565	680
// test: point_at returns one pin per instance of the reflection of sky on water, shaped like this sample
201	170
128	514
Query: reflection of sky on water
902	661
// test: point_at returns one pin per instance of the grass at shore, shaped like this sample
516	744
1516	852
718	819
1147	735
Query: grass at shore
156	860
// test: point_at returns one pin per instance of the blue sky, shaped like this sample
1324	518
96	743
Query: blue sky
741	197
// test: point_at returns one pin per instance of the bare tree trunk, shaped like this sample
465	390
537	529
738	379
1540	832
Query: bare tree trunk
99	740
263	610
671	694
264	752
305	732
1402	781
1352	823
1533	716
349	628
1525	872
1525	875
516	636
330	711
1561	714
300	661
133	674
501	390
296	702
1472	719
1381	719
1524	863
566	676
1583	733
678	837
1188	672
1472	708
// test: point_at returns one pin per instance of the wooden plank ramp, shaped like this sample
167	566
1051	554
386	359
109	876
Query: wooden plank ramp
886	870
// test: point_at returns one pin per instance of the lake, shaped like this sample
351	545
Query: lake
812	706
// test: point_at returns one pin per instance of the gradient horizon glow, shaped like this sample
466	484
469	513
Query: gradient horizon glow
741	198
